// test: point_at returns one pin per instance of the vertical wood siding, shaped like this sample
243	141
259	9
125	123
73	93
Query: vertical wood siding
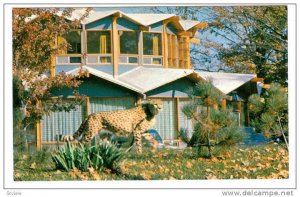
185	123
111	104
165	123
62	122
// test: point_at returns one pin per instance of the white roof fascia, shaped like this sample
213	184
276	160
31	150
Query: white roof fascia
188	24
149	19
151	75
226	82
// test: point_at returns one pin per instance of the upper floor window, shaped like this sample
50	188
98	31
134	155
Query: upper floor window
70	48
73	39
152	44
98	42
128	42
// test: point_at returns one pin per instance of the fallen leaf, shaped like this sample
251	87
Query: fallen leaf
211	176
189	164
33	165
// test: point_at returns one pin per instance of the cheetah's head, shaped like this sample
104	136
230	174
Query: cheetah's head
153	107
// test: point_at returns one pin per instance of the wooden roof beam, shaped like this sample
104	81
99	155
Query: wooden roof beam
117	14
174	19
185	33
195	40
202	25
143	28
266	86
257	79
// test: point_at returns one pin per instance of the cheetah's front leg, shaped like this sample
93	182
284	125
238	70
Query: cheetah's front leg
138	141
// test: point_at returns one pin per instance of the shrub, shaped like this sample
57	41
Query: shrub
100	156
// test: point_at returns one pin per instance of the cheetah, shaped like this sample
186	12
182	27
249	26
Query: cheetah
136	121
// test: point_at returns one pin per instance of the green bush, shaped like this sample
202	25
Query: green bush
100	156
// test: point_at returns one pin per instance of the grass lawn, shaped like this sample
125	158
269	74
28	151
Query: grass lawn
257	162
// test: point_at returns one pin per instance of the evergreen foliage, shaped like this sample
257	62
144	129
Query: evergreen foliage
213	126
269	112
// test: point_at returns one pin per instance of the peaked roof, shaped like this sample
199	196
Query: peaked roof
149	19
144	79
144	19
104	76
147	78
188	24
226	82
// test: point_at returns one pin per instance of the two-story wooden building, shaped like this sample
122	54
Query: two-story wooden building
130	57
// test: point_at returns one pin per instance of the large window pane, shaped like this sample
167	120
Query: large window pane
152	44
98	42
128	42
73	39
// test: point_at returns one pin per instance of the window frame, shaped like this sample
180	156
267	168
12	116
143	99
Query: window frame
153	32
137	43
99	55
71	54
86	42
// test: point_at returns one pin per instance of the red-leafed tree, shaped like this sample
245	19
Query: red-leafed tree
34	34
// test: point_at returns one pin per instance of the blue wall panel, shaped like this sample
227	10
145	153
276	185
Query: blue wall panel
178	88
65	68
156	27
105	23
94	86
171	29
123	24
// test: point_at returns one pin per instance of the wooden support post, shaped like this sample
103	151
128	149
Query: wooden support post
138	101
38	135
83	45
88	106
140	47
52	59
52	66
239	106
177	115
165	45
188	56
115	48
38	132
224	103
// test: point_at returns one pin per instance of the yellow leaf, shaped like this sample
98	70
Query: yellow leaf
211	176
189	164
33	165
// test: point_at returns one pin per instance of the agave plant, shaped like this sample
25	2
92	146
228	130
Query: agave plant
100	156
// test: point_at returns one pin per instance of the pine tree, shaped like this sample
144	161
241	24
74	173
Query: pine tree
270	112
213	126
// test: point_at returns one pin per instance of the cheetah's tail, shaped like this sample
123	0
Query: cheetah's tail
73	137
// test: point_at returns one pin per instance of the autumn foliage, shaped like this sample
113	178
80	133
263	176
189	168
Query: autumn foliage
34	33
